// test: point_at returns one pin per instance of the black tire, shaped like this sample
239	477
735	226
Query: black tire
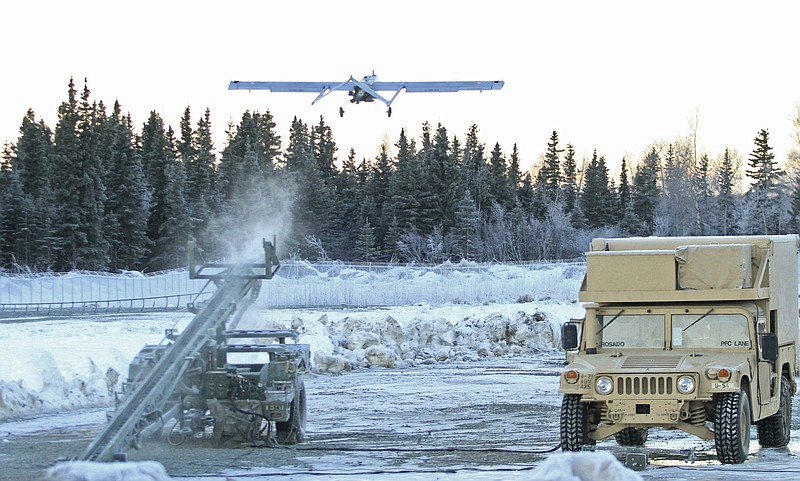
293	431
732	427
574	423
775	431
631	437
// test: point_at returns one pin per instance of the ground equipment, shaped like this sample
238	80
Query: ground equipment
692	333
239	382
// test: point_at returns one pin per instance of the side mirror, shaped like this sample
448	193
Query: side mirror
769	346
569	336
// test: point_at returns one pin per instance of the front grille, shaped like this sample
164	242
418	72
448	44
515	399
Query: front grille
657	362
659	385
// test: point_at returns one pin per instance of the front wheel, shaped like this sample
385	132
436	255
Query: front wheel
574	423
774	431
732	427
293	431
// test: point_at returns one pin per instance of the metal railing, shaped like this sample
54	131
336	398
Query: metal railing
104	306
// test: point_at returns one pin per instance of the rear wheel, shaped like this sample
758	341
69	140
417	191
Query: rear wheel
732	427
574	423
631	437
775	430
293	431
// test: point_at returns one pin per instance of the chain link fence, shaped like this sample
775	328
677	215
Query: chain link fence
296	284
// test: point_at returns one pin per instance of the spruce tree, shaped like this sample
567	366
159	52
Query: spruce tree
551	170
645	194
475	170
66	162
624	190
570	185
32	158
703	195
597	200
128	204
442	174
514	178
499	188
14	229
377	190
202	196
365	247
725	199
764	189
324	149
464	233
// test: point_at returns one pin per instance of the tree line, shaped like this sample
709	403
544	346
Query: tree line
95	194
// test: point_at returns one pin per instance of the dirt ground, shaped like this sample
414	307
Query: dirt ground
479	420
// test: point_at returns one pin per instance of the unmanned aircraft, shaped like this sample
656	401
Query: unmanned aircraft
366	89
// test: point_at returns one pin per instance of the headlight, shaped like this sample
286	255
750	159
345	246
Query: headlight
686	384
604	385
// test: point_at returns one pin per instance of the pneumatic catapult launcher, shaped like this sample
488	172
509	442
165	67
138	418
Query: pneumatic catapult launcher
193	382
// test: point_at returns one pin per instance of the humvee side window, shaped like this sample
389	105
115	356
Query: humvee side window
630	330
712	331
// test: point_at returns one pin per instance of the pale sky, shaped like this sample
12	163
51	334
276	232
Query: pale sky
608	75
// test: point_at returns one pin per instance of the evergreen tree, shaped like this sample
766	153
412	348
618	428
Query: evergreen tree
514	178
645	194
411	201
80	189
32	158
569	185
597	201
443	180
624	190
465	230
349	201
377	191
725	200
365	248
475	170
764	189
202	196
128	204
551	170
312	206
68	198
324	149
703	195
14	228
499	188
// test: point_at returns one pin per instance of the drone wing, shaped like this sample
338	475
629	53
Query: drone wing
447	86
287	86
321	88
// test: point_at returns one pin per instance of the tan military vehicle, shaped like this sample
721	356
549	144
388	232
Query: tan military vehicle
694	333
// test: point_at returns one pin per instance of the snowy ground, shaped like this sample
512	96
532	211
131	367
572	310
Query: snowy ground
477	376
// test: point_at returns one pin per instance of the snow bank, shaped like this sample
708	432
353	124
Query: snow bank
49	366
390	342
583	467
88	471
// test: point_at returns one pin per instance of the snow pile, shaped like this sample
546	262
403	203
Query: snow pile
65	364
583	467
88	471
390	342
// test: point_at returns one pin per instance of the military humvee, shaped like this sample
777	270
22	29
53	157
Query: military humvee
694	333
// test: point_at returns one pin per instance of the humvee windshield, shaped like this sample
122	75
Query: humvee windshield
688	331
631	330
711	331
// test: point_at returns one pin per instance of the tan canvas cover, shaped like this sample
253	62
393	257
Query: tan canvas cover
721	266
